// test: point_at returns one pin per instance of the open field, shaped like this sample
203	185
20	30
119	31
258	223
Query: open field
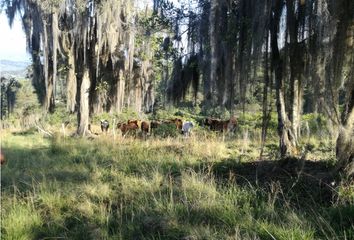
174	188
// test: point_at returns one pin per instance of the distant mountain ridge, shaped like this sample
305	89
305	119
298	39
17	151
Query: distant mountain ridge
13	68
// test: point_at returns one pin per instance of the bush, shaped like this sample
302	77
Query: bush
124	116
166	114
106	116
59	116
166	130
219	112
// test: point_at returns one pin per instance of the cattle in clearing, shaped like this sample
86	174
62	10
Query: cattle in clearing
187	128
104	126
128	128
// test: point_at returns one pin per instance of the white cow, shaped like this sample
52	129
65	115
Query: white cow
187	128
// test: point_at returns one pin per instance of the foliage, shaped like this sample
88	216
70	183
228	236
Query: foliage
25	109
166	130
9	88
60	116
315	124
218	112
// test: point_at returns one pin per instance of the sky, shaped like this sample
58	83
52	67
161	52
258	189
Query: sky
12	40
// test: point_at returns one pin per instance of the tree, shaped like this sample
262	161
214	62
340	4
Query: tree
9	87
95	35
343	70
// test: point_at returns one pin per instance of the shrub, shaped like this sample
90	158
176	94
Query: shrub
166	130
59	116
219	112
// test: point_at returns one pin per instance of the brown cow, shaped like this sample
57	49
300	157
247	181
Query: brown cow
221	126
133	121
145	127
155	124
177	121
214	124
232	124
128	127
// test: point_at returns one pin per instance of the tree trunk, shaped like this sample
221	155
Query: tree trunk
265	105
71	82
287	147
214	53
55	46
48	69
83	113
345	141
296	68
120	91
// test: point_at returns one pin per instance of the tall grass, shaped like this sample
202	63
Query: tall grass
156	189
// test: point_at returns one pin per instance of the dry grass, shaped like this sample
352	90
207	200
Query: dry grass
197	188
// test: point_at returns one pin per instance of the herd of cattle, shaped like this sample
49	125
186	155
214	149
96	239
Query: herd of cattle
184	127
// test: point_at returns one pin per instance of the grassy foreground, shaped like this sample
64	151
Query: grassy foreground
164	189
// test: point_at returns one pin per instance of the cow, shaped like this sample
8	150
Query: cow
220	125
154	124
232	124
104	126
145	127
134	121
127	127
187	128
179	123
214	124
176	121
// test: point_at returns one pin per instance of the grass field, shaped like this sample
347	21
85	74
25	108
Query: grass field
197	188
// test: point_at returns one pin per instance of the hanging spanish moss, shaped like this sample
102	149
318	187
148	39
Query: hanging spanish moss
308	49
220	51
184	76
95	35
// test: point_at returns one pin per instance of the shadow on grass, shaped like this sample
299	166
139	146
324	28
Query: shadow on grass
302	182
26	166
296	179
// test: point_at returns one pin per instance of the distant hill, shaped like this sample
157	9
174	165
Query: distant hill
13	68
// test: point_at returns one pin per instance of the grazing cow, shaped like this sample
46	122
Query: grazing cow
209	122
145	127
155	124
214	124
104	126
232	124
221	126
127	127
187	128
134	121
177	121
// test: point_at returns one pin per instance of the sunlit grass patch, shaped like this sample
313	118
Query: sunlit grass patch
22	221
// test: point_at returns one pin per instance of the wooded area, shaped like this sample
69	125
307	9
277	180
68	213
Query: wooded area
180	119
110	55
